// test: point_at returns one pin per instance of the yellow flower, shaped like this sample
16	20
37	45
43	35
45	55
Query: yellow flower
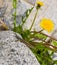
39	3
47	24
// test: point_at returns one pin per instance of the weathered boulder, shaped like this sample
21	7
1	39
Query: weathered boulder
13	52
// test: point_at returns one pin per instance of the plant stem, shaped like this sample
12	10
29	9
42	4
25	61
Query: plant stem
34	20
45	35
15	18
4	25
25	42
14	14
54	48
27	17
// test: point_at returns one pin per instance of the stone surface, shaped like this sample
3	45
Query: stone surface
32	2
14	53
1	3
3	8
2	11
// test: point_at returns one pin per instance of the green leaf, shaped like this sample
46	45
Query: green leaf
26	15
54	43
40	36
55	61
14	3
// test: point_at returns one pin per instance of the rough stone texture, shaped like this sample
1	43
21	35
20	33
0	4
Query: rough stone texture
2	8
31	2
14	53
2	11
1	3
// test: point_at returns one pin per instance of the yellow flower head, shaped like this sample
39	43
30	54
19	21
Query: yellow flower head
39	3
47	24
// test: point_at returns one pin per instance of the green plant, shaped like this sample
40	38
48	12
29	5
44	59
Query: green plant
14	14
43	50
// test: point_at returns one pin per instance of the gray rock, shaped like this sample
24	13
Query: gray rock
13	52
32	2
2	11
3	8
1	3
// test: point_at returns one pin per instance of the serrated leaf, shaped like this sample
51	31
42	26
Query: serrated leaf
26	15
41	36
